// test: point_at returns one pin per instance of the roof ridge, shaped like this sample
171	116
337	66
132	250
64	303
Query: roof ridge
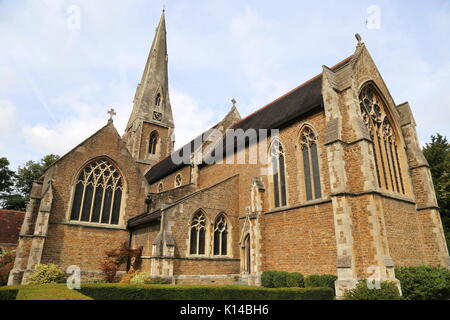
293	90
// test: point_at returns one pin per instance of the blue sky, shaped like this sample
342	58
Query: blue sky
57	80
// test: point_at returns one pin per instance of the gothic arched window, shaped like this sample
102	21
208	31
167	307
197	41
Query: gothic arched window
385	142
98	194
247	254
160	187
278	174
158	100
198	234
153	142
308	143
220	236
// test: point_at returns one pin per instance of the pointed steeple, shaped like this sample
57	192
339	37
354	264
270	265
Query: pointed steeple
152	102
150	131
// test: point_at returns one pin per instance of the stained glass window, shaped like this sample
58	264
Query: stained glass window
98	194
311	171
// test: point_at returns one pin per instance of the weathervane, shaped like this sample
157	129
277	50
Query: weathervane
111	113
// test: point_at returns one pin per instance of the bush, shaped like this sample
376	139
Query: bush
424	282
388	291
6	265
116	258
319	281
140	278
46	274
280	279
267	279
179	292
295	279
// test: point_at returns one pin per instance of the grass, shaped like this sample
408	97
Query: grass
42	292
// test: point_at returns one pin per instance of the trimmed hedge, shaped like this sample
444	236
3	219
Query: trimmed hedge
324	280
182	292
295	279
8	293
424	282
281	279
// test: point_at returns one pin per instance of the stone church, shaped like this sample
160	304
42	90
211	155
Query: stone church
345	189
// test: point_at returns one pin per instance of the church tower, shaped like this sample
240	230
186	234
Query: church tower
150	129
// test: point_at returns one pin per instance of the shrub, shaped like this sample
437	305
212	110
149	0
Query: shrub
140	278
46	274
280	279
388	291
424	282
267	278
178	292
295	279
318	281
116	258
6	265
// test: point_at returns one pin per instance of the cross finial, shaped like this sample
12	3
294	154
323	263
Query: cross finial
233	101
111	113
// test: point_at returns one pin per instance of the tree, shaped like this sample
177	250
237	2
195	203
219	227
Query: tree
32	171
438	155
7	177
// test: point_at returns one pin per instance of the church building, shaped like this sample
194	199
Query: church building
340	187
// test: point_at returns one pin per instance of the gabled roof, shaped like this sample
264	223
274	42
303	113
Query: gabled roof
294	104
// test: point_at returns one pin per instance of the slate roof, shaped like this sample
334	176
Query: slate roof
144	218
277	114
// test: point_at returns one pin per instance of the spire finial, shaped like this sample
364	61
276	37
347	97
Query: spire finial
111	113
359	38
233	101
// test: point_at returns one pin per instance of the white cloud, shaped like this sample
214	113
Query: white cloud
259	50
190	119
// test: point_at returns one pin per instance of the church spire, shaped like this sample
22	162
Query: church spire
150	130
152	102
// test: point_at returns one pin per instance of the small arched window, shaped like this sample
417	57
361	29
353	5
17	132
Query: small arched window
153	142
178	181
221	236
198	234
160	187
308	142
158	100
98	194
278	174
385	142
247	254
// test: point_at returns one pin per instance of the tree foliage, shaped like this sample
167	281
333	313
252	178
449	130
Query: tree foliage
32	171
6	177
15	188
437	153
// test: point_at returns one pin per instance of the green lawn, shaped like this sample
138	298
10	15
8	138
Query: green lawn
42	292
